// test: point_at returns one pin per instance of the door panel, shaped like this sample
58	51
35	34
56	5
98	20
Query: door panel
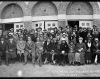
18	26
36	25
51	24
86	24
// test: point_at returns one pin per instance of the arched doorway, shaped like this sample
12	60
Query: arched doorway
46	14
81	10
9	14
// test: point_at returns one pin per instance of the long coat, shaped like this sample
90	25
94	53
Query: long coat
55	47
89	51
64	47
82	53
2	47
30	46
11	46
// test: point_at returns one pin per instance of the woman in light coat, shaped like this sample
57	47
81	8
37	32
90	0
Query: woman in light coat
21	49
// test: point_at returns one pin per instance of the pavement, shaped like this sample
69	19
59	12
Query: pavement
29	70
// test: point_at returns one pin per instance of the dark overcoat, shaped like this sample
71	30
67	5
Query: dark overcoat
11	46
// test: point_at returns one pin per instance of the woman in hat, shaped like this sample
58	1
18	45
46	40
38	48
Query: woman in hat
21	44
11	50
64	49
89	50
65	36
71	54
80	52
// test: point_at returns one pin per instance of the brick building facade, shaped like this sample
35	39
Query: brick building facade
39	14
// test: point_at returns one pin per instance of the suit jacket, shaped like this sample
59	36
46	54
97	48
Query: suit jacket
47	47
31	47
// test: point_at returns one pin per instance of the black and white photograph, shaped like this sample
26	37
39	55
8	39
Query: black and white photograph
49	39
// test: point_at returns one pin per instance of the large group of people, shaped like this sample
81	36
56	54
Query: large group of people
56	46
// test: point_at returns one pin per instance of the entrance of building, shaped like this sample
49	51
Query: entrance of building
45	24
73	23
81	23
9	26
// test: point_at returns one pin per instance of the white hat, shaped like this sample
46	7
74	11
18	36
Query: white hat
62	39
96	38
80	38
65	34
11	33
52	31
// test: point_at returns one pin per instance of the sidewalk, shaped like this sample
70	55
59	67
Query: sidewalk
49	70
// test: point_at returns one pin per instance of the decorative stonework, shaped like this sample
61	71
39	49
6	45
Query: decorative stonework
26	2
21	4
44	9
12	11
79	8
50	8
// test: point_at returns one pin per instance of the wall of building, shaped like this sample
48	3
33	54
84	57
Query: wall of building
60	10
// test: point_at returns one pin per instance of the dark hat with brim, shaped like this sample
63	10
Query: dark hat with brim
96	39
11	37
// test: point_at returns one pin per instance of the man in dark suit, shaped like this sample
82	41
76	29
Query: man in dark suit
2	48
30	51
11	50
